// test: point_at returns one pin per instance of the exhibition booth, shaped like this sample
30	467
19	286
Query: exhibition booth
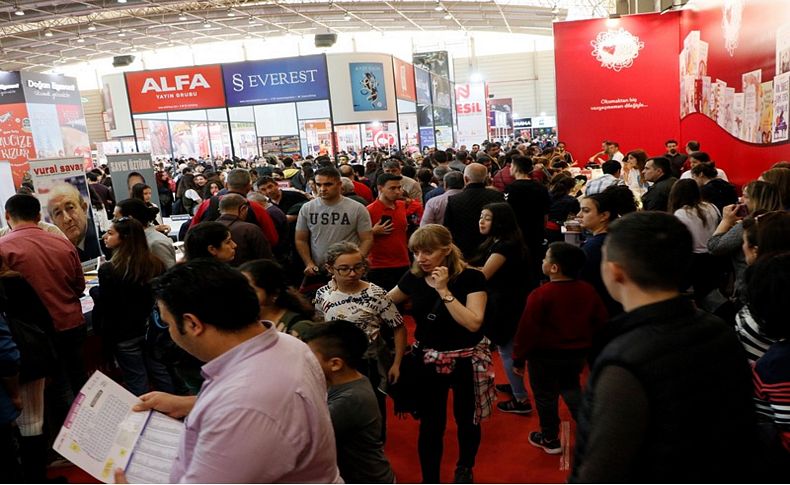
718	73
302	106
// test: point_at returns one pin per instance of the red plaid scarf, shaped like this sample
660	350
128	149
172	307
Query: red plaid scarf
482	367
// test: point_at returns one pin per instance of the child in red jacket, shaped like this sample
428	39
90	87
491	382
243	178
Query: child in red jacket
554	336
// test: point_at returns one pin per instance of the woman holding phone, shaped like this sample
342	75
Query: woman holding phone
727	239
448	303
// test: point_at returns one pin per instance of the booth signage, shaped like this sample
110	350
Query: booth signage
404	80
276	81
49	89
11	88
178	89
522	123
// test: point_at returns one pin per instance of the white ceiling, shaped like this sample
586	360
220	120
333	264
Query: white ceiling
54	32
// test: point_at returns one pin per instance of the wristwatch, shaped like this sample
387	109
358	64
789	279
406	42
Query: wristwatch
448	298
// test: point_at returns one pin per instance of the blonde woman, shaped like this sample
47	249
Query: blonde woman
448	303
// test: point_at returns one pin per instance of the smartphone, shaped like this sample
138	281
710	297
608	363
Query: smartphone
742	210
385	220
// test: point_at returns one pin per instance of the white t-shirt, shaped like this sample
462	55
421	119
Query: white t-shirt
722	175
700	232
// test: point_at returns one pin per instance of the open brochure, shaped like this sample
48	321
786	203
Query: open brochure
102	433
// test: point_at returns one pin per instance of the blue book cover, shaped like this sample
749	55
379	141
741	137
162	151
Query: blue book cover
368	92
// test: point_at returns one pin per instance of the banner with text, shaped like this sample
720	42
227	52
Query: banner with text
62	188
404	80
470	104
11	91
130	169
276	80
621	85
179	89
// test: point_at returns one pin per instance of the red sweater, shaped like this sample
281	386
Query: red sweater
561	315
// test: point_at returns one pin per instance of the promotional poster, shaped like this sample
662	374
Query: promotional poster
129	169
179	89
62	188
269	81
470	104
404	80
368	91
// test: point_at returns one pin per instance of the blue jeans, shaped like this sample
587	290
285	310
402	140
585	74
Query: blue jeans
516	381
138	367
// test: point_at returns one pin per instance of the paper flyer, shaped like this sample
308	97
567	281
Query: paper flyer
766	111
781	105
737	114
368	90
783	49
102	433
751	105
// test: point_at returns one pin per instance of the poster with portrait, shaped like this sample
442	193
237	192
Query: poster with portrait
62	188
130	169
368	89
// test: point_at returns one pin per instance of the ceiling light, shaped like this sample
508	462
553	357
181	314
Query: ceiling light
447	16
121	1
91	26
181	16
80	39
206	24
231	13
251	20
48	33
122	34
555	10
438	7
346	17
19	11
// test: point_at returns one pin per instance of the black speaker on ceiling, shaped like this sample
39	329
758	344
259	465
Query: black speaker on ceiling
325	40
120	61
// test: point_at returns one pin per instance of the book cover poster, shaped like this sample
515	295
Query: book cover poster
729	95
719	102
691	46
706	92
766	111
702	61
783	49
688	95
781	102
367	86
737	114
751	104
46	130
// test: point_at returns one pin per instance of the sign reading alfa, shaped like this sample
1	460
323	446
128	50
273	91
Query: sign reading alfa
276	80
178	89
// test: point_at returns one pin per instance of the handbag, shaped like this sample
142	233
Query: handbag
36	350
406	392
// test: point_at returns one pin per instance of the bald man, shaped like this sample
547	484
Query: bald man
68	210
250	241
463	210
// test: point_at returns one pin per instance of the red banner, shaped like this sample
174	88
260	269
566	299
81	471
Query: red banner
178	89
404	80
617	80
16	139
718	74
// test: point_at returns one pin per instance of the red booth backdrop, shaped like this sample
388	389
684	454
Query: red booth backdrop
717	73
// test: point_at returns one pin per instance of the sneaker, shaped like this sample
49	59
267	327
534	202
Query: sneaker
463	475
515	406
552	447
504	388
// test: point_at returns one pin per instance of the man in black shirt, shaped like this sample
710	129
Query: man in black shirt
463	210
676	159
668	376
530	201
284	199
659	171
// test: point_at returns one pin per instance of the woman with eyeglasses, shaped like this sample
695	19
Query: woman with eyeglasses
126	302
348	297
448	303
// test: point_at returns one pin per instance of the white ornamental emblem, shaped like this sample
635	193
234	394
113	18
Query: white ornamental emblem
731	14
616	49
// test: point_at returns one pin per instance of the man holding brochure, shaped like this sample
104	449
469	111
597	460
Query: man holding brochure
251	405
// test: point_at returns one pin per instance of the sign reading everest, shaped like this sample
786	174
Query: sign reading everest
276	81
178	89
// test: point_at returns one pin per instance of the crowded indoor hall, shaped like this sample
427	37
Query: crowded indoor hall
404	241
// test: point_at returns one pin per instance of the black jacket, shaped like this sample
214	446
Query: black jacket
699	424
657	197
463	215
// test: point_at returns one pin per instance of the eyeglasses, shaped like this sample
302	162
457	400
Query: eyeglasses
358	268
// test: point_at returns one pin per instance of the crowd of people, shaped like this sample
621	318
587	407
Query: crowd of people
285	318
